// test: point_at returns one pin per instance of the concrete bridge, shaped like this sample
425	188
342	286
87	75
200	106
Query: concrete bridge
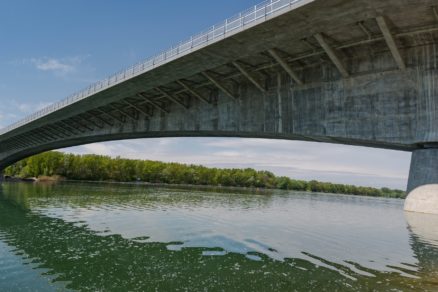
362	72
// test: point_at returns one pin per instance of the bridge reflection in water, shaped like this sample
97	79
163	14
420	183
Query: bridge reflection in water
74	254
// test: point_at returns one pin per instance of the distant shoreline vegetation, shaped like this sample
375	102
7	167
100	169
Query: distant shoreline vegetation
104	168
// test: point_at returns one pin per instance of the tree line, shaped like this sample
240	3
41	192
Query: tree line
104	168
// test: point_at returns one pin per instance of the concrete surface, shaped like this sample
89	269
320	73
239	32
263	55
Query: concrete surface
423	182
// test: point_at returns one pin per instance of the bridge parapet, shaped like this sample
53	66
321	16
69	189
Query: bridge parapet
256	14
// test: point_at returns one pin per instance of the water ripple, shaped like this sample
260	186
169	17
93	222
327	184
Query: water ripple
103	238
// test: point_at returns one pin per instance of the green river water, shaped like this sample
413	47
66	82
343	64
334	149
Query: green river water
103	237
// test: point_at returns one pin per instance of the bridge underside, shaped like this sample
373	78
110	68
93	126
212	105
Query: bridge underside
359	72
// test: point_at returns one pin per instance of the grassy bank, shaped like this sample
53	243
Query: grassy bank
103	168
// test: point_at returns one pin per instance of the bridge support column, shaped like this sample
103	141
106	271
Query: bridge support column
423	182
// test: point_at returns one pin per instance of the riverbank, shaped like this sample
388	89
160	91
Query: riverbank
8	178
211	188
52	166
55	178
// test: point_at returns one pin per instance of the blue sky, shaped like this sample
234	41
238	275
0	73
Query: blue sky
49	49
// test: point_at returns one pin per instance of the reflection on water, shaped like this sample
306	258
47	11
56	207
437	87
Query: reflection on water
120	238
424	239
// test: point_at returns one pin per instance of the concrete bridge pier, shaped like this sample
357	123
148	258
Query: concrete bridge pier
423	182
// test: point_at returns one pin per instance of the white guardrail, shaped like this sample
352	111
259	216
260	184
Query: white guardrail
257	13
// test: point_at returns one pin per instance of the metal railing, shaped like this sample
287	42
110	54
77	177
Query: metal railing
219	31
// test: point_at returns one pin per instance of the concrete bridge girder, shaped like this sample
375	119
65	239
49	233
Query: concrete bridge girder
367	78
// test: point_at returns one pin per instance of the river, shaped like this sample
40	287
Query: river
114	237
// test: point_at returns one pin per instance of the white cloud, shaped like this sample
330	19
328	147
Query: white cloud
12	110
248	142
52	65
227	154
99	148
59	66
30	107
6	116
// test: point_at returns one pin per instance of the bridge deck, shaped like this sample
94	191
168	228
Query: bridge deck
355	72
242	21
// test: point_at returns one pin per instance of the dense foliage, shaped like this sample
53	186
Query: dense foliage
103	168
